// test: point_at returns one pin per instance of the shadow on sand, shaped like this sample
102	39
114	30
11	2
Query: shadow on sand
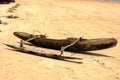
94	54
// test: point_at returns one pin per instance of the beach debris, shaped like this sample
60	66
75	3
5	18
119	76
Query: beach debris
11	17
13	8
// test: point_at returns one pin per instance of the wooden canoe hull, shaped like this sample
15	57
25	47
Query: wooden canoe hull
83	45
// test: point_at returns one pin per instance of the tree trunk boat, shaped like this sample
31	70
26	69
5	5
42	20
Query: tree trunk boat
81	45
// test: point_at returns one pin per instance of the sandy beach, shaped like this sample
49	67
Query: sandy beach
60	19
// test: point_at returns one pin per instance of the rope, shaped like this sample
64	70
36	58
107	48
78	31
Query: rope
63	48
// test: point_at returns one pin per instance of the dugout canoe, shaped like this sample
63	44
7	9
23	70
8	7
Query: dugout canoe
81	45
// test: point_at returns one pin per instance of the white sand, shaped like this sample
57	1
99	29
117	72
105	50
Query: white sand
60	19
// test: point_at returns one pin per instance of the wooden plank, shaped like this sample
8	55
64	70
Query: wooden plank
45	54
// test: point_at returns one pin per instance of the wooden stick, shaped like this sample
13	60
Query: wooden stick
40	53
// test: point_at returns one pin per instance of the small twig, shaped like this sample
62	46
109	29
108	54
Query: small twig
21	43
63	48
